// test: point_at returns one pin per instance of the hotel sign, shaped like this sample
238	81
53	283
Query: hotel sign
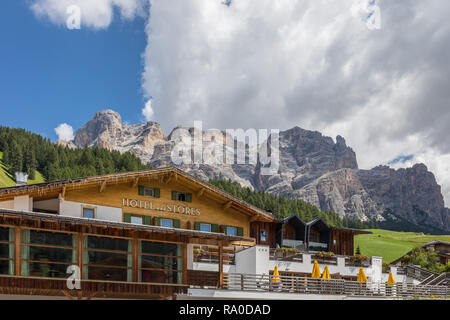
166	207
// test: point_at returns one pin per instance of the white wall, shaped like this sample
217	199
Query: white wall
23	203
74	209
253	260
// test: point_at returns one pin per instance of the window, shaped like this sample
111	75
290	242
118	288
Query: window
47	254
168	223
149	192
137	220
206	227
181	196
107	259
231	231
160	262
88	213
7	251
263	236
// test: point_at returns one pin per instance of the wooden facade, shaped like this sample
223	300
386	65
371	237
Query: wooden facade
201	215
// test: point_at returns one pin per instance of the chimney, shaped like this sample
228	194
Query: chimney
21	179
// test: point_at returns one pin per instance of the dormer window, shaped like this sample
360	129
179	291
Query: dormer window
181	196
149	192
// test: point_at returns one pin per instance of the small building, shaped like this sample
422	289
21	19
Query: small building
151	233
442	249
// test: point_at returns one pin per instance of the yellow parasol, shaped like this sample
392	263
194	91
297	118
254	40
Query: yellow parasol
316	270
391	280
361	276
276	275
326	273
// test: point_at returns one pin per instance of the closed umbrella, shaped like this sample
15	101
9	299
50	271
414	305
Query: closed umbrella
361	275
276	275
326	273
316	270
391	280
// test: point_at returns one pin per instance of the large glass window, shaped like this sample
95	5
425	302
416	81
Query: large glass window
6	251
107	259
160	262
47	254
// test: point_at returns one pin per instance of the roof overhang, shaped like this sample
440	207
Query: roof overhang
166	175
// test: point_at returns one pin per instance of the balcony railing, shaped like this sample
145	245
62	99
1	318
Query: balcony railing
297	244
305	285
317	246
91	288
285	255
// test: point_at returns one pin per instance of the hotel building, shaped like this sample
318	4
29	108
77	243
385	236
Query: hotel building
148	234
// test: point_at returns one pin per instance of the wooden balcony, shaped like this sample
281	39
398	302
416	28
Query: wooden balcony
13	285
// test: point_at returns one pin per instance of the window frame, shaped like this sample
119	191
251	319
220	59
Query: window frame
166	219
205	224
228	234
94	211
128	254
73	248
140	254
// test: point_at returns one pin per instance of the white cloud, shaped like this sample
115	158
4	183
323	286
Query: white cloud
147	111
96	14
64	132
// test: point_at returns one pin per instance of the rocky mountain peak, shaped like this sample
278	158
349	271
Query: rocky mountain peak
312	167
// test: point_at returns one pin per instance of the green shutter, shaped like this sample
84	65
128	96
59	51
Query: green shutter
174	195
148	220
157	192
127	217
214	228
141	190
240	231
197	225
176	223
188	197
157	221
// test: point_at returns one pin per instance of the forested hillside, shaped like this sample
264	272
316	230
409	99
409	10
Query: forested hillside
29	152
282	207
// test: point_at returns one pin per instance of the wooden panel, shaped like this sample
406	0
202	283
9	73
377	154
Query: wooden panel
203	278
211	211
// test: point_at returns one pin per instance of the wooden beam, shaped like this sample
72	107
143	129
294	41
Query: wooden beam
200	192
220	264
255	218
64	191
227	205
135	182
102	186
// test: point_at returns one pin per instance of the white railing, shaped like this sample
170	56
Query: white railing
305	285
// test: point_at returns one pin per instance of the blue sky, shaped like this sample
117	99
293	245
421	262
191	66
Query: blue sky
50	75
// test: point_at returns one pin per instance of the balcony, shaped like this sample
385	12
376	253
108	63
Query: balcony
211	255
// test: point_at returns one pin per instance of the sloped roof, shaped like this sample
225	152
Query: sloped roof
57	187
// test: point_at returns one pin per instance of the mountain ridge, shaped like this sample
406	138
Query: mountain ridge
312	167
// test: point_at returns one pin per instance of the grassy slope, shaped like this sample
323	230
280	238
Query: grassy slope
392	245
6	180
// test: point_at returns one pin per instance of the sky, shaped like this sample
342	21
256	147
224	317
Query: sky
373	71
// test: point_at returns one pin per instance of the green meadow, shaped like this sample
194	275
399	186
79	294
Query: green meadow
392	245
